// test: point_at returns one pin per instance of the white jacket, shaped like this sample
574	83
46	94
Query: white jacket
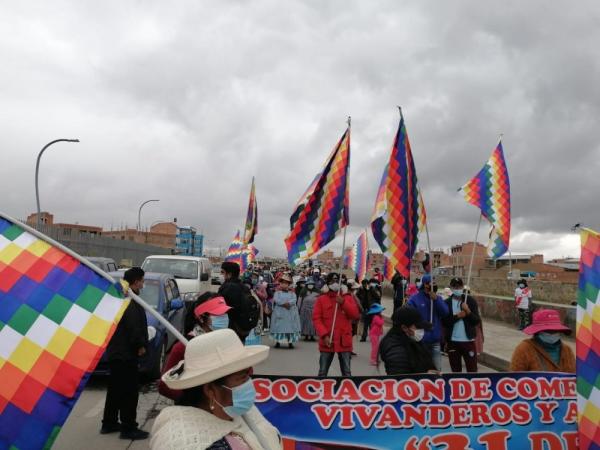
188	428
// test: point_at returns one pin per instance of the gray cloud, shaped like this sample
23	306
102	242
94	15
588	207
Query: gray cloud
186	102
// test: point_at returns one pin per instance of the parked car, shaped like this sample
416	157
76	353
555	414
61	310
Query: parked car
106	264
160	291
216	277
192	273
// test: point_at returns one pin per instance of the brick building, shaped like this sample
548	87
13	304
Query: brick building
161	235
66	229
460	256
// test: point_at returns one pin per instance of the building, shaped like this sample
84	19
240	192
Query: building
161	235
377	260
64	229
326	258
460	256
189	242
508	260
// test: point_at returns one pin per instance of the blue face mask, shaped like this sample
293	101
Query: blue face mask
457	292
243	398
219	322
549	338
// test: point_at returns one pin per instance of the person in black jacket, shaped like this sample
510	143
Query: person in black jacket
461	328
401	349
127	344
399	285
368	294
232	291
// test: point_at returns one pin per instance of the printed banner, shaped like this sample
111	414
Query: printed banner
536	411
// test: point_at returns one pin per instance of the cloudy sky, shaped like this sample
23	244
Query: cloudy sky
186	101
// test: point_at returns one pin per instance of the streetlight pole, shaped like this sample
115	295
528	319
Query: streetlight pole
140	213
37	170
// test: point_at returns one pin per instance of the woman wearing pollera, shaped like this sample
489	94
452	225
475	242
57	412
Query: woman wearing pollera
285	320
217	391
307	305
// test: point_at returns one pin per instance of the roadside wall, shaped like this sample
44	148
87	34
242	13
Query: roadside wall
543	291
93	245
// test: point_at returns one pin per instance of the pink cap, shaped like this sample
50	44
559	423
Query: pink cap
215	306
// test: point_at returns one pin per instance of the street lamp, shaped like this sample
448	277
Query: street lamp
37	170
139	227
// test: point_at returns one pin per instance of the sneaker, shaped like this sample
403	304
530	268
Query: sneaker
134	435
112	428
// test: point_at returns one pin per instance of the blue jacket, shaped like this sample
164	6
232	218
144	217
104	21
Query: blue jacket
422	303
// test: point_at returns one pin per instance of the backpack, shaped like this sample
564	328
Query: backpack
250	310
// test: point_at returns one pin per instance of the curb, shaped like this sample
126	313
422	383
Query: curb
487	359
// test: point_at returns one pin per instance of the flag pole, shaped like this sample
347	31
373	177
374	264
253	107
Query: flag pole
341	259
100	272
430	266
473	256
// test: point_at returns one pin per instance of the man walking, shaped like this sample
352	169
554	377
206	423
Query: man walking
332	316
432	309
127	345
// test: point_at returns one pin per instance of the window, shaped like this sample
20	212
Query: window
179	268
112	267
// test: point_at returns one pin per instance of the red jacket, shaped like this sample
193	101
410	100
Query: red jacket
175	355
342	329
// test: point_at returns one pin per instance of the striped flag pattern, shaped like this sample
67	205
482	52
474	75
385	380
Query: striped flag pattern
323	209
57	316
234	253
399	213
489	190
251	228
588	341
357	256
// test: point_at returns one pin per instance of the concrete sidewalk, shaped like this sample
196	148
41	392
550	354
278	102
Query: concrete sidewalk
500	339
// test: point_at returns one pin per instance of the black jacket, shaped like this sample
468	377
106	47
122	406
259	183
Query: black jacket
233	292
471	321
401	355
131	334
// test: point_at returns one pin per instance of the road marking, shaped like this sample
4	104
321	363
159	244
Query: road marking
96	410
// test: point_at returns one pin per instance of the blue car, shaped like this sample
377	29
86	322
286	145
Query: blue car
160	291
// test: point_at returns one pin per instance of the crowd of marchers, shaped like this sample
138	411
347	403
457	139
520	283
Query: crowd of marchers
209	379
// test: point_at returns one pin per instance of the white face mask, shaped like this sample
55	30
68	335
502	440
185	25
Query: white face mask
334	286
418	335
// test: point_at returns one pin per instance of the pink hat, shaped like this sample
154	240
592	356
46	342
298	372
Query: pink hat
215	306
546	320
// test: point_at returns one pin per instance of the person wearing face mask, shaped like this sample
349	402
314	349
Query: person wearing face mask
461	328
334	312
206	314
545	351
373	296
432	309
285	320
402	349
216	408
523	303
307	305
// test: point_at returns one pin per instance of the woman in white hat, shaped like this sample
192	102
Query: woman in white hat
216	409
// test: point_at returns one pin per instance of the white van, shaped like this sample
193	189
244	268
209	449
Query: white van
192	273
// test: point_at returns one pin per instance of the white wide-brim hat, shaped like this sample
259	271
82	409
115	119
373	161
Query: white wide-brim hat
211	356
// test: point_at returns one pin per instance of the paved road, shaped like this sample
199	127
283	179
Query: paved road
81	430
